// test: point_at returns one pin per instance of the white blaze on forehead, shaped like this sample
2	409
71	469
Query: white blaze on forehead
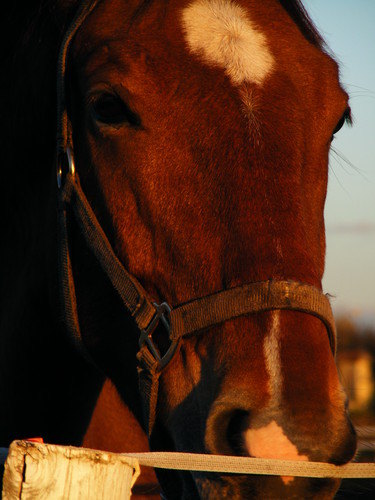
222	33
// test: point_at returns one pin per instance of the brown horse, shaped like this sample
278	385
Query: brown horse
201	132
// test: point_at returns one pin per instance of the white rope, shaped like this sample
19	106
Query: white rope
247	465
242	465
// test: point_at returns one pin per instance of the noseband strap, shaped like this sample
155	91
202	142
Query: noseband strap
252	298
185	319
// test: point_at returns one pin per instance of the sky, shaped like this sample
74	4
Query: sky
348	26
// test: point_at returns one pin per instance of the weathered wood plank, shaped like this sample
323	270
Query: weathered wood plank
41	471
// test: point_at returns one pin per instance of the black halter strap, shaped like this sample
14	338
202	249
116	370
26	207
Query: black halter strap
62	129
185	319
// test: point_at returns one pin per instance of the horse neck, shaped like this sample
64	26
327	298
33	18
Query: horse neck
28	156
39	369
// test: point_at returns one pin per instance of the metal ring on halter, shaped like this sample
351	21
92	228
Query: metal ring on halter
162	313
65	163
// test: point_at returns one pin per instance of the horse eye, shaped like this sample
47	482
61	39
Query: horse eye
346	118
111	110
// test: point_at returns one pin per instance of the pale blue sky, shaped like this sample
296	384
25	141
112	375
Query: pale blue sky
348	26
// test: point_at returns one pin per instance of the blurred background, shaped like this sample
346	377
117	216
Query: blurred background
348	26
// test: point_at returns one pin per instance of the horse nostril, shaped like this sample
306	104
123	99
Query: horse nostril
238	423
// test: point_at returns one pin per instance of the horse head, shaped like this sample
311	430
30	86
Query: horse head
201	132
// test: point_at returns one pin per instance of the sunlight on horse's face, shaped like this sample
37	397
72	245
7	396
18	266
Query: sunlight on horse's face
203	128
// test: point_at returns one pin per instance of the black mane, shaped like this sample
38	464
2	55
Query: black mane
298	13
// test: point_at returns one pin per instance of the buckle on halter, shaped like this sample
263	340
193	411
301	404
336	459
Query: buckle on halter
162	313
65	164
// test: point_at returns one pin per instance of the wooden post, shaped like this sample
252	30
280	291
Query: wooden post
46	471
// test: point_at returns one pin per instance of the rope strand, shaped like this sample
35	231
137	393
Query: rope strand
249	465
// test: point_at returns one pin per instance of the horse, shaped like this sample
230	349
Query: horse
200	131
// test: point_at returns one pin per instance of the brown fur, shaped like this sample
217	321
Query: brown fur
114	428
205	194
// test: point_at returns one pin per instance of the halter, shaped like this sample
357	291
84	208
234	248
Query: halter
185	319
